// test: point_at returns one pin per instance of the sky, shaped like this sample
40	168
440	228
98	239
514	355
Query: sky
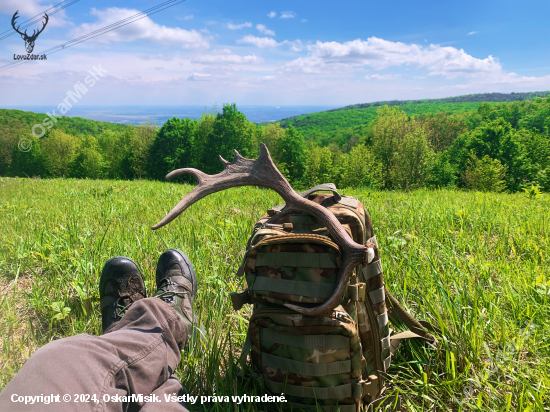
281	52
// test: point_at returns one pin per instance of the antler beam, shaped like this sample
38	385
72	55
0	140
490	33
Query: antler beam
263	172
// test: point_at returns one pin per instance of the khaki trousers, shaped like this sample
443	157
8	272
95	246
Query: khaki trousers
137	355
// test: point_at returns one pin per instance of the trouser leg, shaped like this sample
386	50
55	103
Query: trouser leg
138	355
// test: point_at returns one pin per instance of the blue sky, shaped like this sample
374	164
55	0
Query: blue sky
282	53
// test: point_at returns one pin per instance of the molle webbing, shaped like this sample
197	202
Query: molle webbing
293	287
377	296
372	269
305	341
335	392
305	368
303	260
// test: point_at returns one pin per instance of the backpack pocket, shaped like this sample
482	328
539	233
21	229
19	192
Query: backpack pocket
308	358
289	267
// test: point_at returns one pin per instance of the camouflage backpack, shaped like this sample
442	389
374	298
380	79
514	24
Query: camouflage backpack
319	329
336	358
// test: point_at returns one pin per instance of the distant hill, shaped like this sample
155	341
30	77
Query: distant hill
331	121
467	98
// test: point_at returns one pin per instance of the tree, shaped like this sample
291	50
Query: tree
360	169
59	150
442	172
134	163
271	136
171	148
200	140
318	166
28	164
88	163
387	131
485	175
413	159
291	152
442	129
230	131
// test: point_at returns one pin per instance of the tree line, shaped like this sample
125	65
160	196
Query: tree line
504	146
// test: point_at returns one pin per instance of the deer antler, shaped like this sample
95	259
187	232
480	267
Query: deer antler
43	27
34	33
263	172
13	24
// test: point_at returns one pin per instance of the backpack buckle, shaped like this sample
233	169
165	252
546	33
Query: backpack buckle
357	292
370	388
240	299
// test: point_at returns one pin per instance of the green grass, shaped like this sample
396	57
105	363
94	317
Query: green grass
477	265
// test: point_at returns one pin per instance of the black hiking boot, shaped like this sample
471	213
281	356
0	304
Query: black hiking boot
177	285
120	285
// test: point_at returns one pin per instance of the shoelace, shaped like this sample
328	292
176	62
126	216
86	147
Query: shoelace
169	294
120	308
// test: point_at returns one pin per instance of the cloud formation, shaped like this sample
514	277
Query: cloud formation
232	26
264	30
272	14
225	57
381	54
144	29
288	15
381	76
261	42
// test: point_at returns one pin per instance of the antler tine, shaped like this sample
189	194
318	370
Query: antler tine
43	24
15	16
263	172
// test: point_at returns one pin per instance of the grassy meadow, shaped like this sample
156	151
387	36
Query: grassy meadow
474	264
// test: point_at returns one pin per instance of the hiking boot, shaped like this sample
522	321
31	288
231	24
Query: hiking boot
177	285
120	285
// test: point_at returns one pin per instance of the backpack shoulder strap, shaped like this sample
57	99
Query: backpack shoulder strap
418	329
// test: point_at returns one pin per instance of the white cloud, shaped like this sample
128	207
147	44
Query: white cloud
303	20
144	29
264	30
472	32
189	17
272	14
288	15
380	54
261	42
265	42
225	57
232	26
381	76
295	45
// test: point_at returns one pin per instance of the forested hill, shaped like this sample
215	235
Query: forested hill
467	98
18	124
336	125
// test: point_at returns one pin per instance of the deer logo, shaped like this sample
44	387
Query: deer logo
29	40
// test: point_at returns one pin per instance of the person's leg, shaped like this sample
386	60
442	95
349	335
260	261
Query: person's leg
136	356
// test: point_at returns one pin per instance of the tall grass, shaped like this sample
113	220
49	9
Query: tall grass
476	265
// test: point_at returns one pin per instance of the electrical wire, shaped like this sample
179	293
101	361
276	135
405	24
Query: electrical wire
138	16
24	25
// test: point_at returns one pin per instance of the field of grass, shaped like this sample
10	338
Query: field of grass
476	265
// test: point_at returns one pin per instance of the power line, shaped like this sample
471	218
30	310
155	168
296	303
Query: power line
138	16
24	25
